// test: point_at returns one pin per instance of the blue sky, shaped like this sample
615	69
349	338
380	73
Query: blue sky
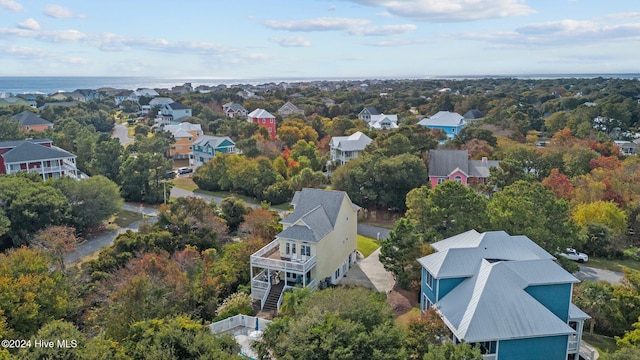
317	38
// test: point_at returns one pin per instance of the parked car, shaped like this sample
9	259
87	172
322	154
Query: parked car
185	170
170	174
575	255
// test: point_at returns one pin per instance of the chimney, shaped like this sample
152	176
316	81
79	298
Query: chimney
484	161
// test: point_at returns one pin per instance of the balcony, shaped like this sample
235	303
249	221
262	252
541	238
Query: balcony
269	258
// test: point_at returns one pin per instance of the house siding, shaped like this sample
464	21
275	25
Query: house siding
337	247
548	348
555	297
426	290
446	285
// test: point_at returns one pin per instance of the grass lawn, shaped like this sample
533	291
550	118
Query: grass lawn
603	344
613	265
406	318
185	182
367	245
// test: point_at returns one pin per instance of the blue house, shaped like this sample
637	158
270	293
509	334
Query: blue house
207	147
450	122
503	294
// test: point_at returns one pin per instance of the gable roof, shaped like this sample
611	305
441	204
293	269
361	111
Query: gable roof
176	106
235	107
354	142
160	101
213	141
371	110
30	151
314	214
261	114
376	121
443	118
186	126
442	162
473	114
491	302
27	118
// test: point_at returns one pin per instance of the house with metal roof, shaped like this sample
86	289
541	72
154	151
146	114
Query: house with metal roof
207	147
39	156
346	148
29	121
451	123
316	247
265	119
455	165
289	109
383	122
185	135
503	294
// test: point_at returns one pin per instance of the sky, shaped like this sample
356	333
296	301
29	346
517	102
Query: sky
288	39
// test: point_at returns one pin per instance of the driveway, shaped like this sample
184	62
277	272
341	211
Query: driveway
587	273
374	232
121	132
96	243
369	272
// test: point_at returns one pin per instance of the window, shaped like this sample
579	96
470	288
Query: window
271	121
426	303
305	250
337	273
264	121
458	178
441	180
429	279
289	248
486	347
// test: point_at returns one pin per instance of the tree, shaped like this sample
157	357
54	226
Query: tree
106	159
308	178
57	330
91	200
601	212
560	184
424	333
399	252
449	209
59	241
233	211
262	223
30	293
142	178
450	351
529	209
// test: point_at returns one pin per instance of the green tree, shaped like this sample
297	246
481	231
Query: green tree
233	211
142	178
601	212
449	209
54	331
309	179
91	201
399	252
106	159
529	209
449	351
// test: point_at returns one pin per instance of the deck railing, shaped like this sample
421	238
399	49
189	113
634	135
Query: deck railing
261	259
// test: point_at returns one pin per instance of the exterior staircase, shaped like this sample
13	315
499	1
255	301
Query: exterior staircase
271	304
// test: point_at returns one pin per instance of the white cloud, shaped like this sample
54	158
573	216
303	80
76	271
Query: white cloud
350	25
291	41
25	52
556	33
317	24
29	24
452	10
59	12
626	15
382	30
10	5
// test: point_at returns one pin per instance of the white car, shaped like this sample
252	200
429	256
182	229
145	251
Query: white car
575	255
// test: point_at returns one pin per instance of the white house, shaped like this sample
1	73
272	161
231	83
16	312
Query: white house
346	148
383	122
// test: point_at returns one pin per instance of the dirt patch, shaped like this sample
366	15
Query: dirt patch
402	301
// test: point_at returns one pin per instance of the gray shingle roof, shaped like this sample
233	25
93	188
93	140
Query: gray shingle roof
443	162
316	210
27	118
478	168
176	106
29	151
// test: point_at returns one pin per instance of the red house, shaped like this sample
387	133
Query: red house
263	118
37	156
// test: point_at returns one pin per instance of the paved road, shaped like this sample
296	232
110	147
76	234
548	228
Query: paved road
587	273
121	132
97	243
375	232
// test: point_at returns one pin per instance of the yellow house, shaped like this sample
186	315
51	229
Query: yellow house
316	247
185	134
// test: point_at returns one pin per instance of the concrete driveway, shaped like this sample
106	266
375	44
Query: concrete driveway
587	273
370	273
121	132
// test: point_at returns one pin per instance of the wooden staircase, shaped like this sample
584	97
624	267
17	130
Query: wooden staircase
271	304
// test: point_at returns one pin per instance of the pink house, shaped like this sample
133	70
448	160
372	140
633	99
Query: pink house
455	165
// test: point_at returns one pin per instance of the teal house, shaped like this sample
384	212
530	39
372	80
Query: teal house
207	147
505	295
449	122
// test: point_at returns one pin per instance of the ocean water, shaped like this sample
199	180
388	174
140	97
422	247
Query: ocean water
51	84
